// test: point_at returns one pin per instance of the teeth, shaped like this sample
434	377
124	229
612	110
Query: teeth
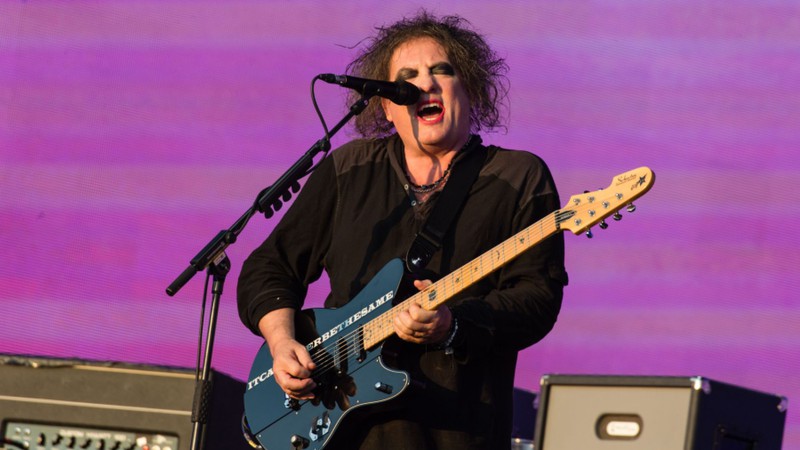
429	109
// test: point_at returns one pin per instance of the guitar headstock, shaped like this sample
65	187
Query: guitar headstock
587	209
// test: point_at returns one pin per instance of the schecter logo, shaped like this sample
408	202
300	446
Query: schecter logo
622	179
627	178
363	312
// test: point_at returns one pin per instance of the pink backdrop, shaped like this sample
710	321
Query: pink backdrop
132	132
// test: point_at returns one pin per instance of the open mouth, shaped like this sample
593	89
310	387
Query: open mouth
430	111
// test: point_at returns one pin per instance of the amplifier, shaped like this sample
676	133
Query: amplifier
655	413
49	404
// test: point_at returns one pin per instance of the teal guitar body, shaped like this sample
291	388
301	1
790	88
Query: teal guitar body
348	375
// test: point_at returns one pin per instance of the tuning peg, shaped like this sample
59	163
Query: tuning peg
589	234
603	224
631	207
617	216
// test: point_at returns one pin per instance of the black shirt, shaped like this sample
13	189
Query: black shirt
355	214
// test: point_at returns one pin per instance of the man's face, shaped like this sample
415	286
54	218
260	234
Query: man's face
440	118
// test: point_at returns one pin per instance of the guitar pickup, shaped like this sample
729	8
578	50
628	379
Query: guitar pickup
342	356
362	353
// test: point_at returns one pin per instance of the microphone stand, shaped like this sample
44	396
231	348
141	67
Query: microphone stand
213	259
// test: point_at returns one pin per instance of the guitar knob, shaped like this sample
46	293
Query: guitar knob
298	442
631	207
603	225
589	234
617	216
382	387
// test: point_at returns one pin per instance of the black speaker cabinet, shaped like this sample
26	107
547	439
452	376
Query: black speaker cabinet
51	404
655	413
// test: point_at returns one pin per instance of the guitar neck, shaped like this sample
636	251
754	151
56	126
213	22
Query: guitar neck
437	294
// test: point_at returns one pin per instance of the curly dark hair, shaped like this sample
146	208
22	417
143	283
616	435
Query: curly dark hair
482	71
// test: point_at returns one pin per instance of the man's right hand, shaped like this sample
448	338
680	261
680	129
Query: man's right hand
291	362
292	366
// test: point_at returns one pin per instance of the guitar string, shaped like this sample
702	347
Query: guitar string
557	217
456	277
383	321
350	340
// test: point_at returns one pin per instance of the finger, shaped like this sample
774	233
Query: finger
329	399
303	364
288	360
294	385
299	393
420	316
408	335
402	322
409	338
422	284
305	360
343	401
404	326
349	387
296	370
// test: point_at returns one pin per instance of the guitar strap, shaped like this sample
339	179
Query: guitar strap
452	197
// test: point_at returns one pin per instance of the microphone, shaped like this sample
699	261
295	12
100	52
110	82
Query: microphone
401	92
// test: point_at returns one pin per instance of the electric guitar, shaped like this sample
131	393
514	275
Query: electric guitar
346	342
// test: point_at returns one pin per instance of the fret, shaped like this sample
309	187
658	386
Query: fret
577	216
443	290
358	347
